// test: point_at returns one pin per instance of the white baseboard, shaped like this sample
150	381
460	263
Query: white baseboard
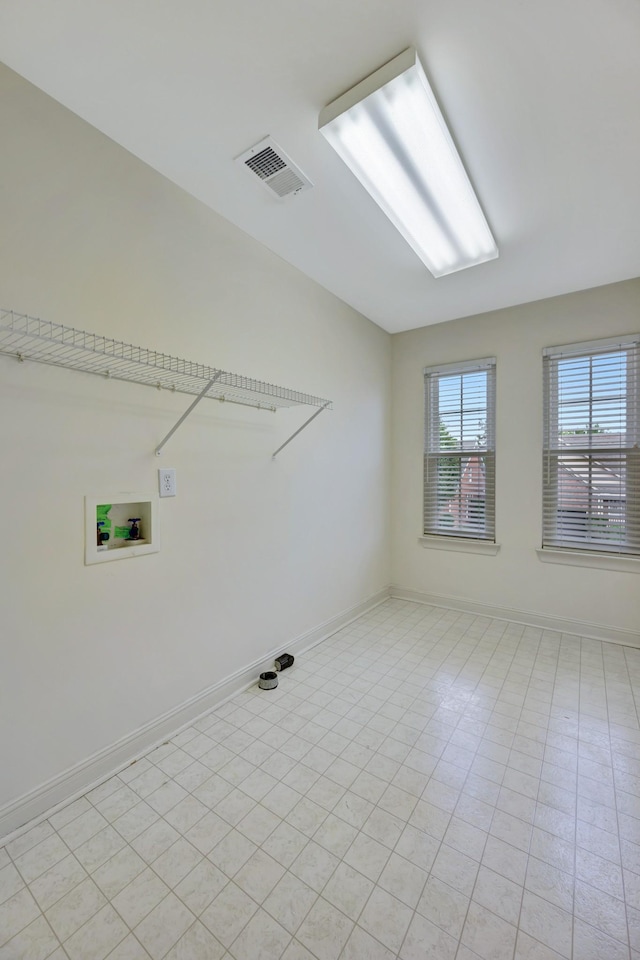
581	628
41	802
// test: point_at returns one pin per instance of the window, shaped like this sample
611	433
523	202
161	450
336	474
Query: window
459	457
591	460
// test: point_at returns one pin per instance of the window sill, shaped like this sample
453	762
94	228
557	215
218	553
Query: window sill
602	561
460	545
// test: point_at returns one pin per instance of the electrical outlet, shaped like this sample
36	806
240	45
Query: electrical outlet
167	481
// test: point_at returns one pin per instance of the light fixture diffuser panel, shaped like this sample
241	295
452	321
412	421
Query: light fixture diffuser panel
390	132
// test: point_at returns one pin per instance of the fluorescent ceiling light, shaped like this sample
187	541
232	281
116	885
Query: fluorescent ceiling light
390	132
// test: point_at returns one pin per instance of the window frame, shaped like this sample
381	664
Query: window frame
592	452
433	452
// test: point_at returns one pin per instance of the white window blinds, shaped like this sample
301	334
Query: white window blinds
459	457
591	459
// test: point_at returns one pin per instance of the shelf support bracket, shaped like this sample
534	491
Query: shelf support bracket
184	416
300	429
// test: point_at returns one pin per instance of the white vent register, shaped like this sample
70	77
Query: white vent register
275	170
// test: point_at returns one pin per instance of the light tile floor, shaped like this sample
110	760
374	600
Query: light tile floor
424	784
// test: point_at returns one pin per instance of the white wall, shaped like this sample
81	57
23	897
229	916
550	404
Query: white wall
254	553
514	579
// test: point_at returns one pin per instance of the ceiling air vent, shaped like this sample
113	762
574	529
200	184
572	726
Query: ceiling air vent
274	169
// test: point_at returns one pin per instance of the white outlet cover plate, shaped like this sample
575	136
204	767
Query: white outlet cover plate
167	481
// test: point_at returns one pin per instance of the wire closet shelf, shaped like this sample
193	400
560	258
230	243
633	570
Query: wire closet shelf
41	341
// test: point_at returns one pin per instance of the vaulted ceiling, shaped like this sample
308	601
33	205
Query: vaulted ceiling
542	98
